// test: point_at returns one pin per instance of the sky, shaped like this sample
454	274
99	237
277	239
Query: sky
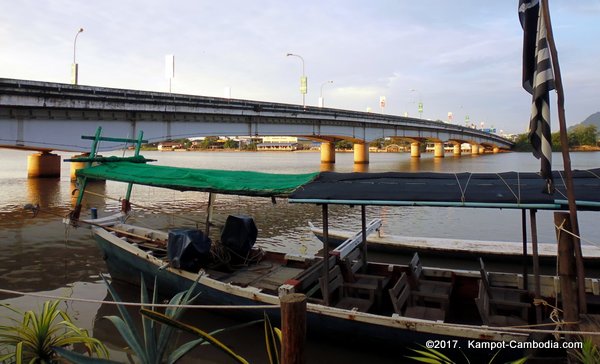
459	56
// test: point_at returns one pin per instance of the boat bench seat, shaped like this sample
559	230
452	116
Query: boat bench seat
427	290
490	314
335	293
401	293
371	284
511	301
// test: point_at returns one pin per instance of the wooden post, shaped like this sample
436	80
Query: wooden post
293	328
564	144
566	269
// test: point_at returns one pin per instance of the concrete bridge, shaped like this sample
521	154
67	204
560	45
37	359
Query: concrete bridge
46	116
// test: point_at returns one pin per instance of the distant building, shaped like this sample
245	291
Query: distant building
279	139
169	146
278	146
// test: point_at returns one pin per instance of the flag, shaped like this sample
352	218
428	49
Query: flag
538	80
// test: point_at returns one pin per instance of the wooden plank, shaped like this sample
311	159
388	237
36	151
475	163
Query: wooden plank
355	240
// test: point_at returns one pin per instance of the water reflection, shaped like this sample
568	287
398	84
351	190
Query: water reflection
327	167
43	191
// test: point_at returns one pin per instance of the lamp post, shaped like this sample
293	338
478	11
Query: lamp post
75	66
303	79
321	99
420	104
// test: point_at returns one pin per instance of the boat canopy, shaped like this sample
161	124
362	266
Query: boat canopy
491	190
208	180
501	190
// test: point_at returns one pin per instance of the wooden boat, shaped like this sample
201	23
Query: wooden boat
506	251
383	303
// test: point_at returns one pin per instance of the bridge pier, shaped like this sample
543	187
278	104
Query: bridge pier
438	150
361	153
474	149
78	165
456	149
327	152
495	150
415	149
43	165
481	149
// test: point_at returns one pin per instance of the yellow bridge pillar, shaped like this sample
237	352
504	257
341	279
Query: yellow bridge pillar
415	149
481	149
496	150
361	153
456	149
438	150
78	165
327	152
43	165
474	149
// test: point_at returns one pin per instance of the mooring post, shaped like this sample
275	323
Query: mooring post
566	269
293	328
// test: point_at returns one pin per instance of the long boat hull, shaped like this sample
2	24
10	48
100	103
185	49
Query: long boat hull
126	261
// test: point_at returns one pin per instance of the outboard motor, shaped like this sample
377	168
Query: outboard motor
188	249
239	235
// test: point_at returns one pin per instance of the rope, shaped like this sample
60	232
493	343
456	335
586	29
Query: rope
136	304
561	228
144	207
564	183
510	189
462	192
592	173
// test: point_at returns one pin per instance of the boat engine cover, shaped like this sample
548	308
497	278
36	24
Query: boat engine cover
239	234
188	249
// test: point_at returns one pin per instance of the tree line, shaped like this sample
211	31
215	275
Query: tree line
578	136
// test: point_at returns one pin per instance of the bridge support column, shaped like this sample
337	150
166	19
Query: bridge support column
496	150
78	165
415	149
327	152
43	165
481	149
456	149
361	153
438	150
474	149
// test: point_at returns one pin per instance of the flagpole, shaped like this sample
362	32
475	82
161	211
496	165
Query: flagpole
564	143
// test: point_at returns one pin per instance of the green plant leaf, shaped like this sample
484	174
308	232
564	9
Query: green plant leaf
80	358
270	341
193	330
183	349
127	322
129	337
147	324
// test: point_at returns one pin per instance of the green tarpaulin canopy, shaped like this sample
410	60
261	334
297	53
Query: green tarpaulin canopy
188	179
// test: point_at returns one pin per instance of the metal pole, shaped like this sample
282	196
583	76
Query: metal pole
325	214
75	68
363	247
525	258
536	263
564	141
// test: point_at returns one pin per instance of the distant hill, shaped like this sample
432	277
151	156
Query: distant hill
593	119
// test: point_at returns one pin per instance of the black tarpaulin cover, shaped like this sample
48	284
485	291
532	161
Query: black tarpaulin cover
505	190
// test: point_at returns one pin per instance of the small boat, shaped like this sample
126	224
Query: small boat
348	296
506	251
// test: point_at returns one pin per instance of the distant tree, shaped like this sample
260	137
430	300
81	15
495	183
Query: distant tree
231	144
343	145
583	135
207	142
250	146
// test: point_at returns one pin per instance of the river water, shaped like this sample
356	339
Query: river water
39	255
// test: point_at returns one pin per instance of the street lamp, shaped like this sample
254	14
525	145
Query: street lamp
303	79
75	66
321	100
420	104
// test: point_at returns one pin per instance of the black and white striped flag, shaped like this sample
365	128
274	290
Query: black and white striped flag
538	80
